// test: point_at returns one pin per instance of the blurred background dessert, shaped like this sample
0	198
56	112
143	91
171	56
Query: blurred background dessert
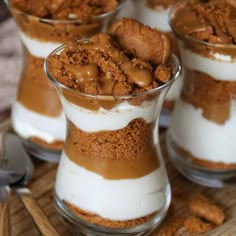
37	113
202	130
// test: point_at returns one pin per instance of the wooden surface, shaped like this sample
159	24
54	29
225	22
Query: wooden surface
42	184
4	219
38	215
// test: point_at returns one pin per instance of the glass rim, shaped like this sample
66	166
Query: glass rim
174	59
48	20
182	36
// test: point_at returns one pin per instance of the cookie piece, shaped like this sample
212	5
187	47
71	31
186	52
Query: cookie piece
203	207
196	225
142	41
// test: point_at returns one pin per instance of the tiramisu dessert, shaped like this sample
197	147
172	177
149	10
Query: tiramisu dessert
44	25
112	87
155	13
203	123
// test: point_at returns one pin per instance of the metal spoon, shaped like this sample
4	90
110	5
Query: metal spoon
7	176
20	160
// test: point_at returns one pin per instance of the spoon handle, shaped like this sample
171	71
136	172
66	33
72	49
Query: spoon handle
39	217
5	227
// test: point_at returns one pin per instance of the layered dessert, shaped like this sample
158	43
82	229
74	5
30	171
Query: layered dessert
111	173
203	123
44	25
155	13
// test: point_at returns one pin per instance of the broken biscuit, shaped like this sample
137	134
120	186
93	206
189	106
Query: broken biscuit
203	207
196	225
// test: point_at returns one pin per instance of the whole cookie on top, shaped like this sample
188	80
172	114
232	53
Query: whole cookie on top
142	41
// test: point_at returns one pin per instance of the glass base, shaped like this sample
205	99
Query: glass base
197	174
81	227
40	152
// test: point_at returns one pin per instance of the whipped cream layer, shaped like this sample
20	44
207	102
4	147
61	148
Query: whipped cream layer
219	66
31	124
38	48
111	199
116	118
204	139
155	18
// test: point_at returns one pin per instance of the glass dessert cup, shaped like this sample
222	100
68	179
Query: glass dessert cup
157	16
37	115
200	137
111	178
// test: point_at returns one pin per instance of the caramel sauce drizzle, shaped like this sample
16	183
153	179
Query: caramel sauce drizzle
85	73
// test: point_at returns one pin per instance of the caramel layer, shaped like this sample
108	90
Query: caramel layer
199	162
96	219
121	154
65	10
62	21
36	92
58	32
213	96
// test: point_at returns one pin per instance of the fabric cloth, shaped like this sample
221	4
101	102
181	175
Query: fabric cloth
11	60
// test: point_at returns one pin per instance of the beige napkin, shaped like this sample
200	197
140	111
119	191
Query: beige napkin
11	61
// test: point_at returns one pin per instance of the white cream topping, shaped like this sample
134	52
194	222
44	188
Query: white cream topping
111	199
114	119
155	18
220	68
38	48
203	138
28	123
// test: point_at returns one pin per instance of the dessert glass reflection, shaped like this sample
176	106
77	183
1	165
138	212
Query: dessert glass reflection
202	132
155	13
111	177
37	114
